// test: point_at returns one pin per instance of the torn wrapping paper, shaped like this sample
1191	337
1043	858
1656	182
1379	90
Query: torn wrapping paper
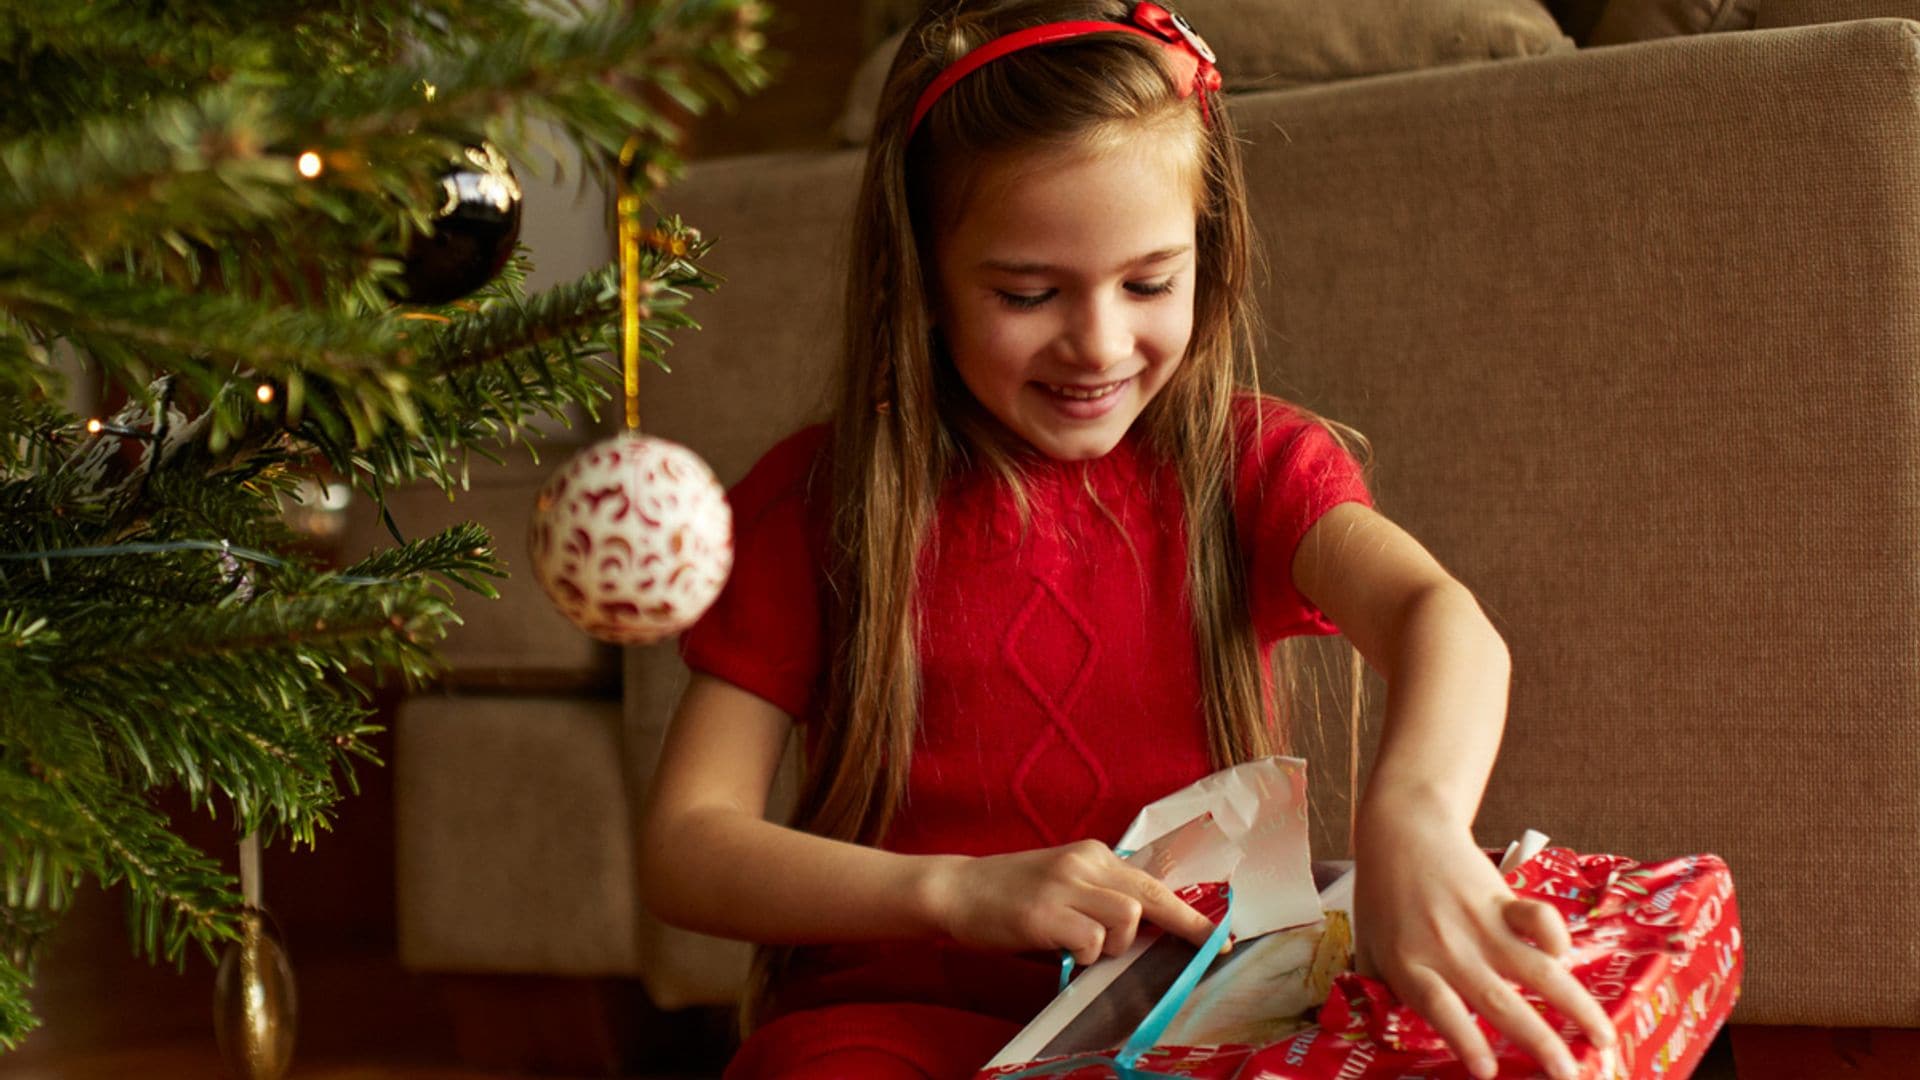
1261	809
1245	826
1658	945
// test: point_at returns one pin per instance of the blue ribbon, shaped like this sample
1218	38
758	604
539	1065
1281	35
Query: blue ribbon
1124	1060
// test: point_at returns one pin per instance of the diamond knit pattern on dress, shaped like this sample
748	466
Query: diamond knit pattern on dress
1041	651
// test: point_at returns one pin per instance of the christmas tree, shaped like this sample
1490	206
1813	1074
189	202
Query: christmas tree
233	223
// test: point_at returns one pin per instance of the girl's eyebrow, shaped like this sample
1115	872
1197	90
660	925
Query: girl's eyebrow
1018	267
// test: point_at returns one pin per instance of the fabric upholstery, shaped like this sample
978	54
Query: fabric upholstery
514	840
1667	436
1268	44
1773	14
1643	20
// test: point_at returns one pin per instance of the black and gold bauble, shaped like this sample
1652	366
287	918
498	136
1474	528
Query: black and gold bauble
474	230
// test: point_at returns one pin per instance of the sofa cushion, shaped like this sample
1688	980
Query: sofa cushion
1642	20
1267	44
513	832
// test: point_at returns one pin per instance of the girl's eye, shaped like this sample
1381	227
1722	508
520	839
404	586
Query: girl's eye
1021	301
1029	301
1142	289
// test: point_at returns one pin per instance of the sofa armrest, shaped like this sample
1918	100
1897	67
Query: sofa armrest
1633	332
1775	14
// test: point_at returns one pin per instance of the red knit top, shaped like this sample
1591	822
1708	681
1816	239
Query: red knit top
1061	681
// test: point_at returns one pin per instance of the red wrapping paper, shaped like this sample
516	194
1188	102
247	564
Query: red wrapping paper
1658	945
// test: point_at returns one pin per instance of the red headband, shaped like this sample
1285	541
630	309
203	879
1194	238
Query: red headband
1193	70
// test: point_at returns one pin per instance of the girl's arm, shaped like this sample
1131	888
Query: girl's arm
709	861
1432	914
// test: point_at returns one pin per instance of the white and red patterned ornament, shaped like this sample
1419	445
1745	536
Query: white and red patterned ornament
632	539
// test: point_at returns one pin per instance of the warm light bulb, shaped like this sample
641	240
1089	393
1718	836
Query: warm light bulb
309	164
94	426
264	392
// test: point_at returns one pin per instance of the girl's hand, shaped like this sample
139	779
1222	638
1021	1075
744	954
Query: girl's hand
1079	897
1435	920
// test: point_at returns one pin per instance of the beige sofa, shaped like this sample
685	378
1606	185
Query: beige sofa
1635	331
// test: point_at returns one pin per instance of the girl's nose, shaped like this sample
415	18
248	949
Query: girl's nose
1100	337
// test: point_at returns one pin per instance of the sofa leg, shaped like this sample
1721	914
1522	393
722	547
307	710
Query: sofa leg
560	1026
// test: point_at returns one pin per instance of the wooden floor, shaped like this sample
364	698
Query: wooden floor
195	1062
1763	1054
198	1062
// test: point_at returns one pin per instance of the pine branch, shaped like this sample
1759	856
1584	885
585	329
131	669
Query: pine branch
586	305
463	554
559	71
125	322
26	371
175	892
16	1017
43	853
494	363
223	159
157	227
191	166
223	649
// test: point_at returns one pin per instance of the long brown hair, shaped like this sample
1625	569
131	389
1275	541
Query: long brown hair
903	423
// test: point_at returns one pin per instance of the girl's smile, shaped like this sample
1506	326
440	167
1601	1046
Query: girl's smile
1066	288
1086	402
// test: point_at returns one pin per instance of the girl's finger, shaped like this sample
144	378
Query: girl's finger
1558	987
1538	920
1160	906
1509	1013
1117	913
1432	998
1080	935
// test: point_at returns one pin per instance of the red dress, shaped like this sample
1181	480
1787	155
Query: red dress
1061	692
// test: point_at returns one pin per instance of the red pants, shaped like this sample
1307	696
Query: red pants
872	1042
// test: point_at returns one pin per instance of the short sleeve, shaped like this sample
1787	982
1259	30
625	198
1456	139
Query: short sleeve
1292	471
764	632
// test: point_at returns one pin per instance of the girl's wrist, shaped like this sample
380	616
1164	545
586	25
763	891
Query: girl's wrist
1396	808
931	890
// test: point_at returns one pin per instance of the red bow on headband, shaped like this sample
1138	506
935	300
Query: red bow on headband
1192	60
1186	51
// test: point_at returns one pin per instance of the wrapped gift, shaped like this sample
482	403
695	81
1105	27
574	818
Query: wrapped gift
1658	945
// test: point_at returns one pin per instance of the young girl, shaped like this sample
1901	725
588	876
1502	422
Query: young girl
1026	581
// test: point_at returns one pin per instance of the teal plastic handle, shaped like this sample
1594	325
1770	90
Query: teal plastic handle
1155	1024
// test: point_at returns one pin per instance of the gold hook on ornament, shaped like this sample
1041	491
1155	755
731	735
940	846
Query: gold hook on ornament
628	209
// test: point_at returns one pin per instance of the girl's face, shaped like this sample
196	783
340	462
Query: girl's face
1065	291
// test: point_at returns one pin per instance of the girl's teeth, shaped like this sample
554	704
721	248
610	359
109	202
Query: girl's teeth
1083	393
